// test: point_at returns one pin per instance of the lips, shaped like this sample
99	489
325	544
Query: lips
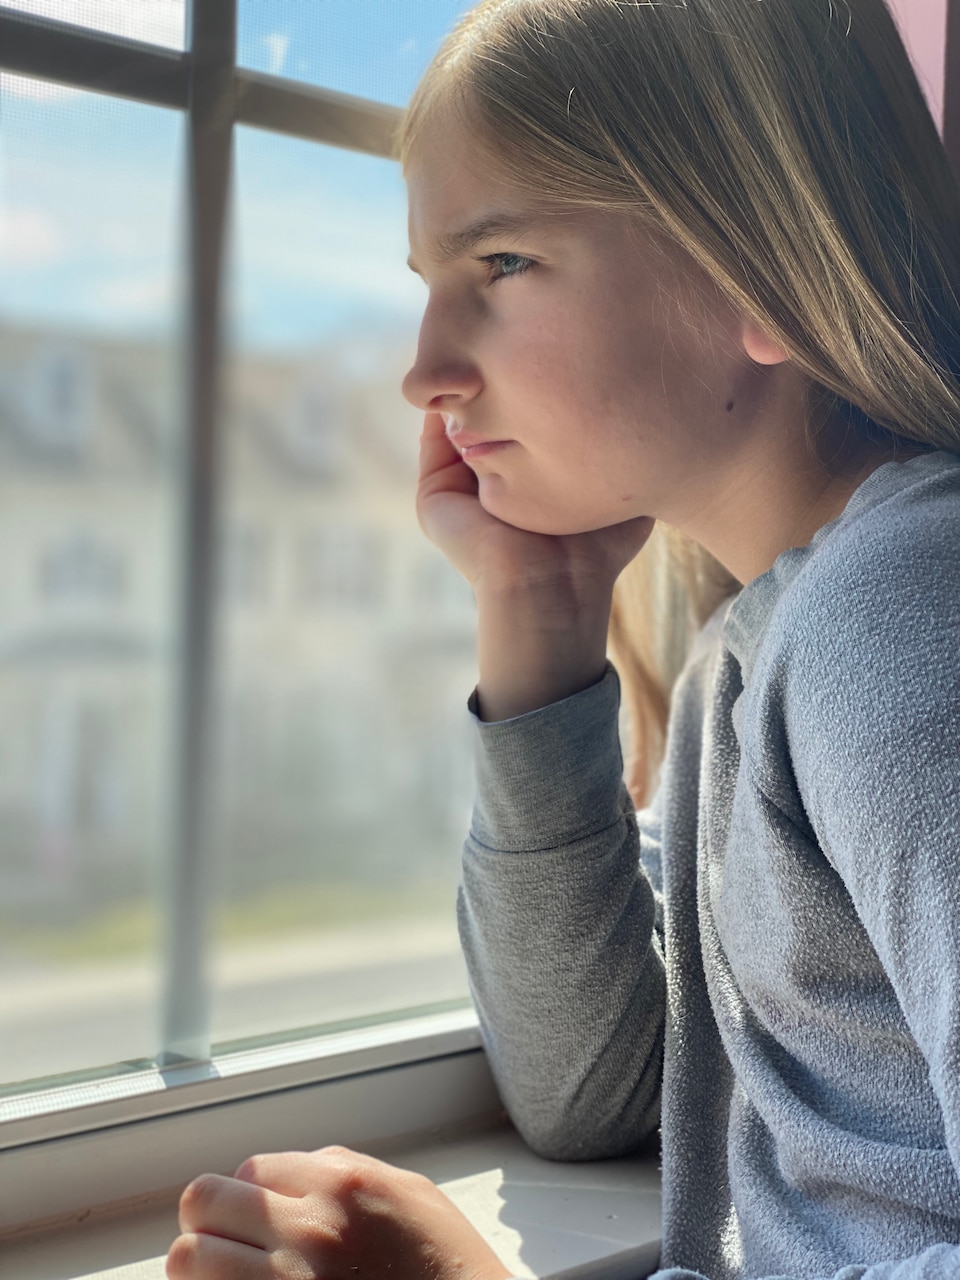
469	444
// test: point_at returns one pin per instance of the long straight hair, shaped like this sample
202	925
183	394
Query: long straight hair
786	147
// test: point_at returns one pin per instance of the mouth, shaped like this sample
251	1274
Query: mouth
469	445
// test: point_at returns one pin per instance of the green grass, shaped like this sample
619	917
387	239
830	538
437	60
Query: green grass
132	930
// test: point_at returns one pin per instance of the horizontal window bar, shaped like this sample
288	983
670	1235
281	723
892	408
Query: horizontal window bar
320	115
118	1100
84	59
102	63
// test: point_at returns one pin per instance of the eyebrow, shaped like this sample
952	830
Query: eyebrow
455	244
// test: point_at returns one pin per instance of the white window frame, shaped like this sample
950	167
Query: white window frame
121	1139
127	1136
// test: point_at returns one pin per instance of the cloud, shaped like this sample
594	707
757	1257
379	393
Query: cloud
156	21
277	43
29	238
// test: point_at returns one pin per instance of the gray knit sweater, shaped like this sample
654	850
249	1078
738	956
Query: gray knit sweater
766	962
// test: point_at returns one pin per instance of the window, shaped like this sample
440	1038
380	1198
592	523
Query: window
233	769
233	776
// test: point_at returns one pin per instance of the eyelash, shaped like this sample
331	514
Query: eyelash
494	265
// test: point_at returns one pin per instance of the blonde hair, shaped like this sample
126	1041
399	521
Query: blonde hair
786	147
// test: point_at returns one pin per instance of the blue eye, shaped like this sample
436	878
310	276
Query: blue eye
502	265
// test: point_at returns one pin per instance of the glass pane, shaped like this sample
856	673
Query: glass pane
347	641
90	193
160	22
371	48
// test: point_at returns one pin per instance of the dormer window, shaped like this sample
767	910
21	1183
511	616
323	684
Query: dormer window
316	429
59	399
82	568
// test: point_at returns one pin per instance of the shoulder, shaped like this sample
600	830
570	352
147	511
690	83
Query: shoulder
878	603
867	662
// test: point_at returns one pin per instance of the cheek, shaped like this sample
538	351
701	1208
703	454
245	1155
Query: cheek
537	352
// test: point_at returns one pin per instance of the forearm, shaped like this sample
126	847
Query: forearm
538	646
557	926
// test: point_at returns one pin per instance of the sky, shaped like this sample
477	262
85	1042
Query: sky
92	189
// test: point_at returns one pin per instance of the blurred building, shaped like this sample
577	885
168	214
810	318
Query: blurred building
344	643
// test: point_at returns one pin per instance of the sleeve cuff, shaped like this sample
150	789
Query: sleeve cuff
551	776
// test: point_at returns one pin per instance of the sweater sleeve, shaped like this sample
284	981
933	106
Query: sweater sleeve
941	1262
557	921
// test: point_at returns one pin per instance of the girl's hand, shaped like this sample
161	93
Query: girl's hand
543	601
494	556
326	1215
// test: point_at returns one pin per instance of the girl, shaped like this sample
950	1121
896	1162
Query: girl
691	271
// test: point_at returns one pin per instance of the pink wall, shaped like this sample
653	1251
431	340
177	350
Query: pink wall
923	25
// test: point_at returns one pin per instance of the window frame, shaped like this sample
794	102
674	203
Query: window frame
75	1145
126	1139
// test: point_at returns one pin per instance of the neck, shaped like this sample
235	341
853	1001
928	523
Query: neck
777	497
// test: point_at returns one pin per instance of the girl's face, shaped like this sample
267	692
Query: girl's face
585	375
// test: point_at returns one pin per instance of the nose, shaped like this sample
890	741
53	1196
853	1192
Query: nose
444	373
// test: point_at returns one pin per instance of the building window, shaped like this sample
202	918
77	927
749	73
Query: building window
83	568
343	567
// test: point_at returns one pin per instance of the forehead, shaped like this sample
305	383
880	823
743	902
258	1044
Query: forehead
459	197
452	181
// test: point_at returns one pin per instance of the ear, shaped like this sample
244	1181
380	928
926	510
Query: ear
760	347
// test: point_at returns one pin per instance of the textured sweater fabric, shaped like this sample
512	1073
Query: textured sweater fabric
766	961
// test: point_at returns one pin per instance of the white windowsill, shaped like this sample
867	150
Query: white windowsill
156	1092
599	1220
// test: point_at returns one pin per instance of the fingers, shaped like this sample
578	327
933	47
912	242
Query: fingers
333	1172
289	1173
202	1257
217	1206
436	451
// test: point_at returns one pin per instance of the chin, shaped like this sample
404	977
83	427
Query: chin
532	519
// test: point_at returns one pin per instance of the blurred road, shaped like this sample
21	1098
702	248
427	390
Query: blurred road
70	1019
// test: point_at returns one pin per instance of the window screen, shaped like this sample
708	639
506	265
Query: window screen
369	48
161	22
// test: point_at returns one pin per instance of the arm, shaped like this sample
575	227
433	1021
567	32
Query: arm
557	920
941	1262
872	727
557	923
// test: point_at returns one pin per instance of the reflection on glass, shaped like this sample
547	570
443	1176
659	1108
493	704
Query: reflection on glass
347	645
88	271
370	48
160	22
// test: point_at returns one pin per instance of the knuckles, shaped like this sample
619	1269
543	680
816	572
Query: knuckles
249	1170
198	1196
181	1257
347	1178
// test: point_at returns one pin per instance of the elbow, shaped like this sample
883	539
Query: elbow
583	1128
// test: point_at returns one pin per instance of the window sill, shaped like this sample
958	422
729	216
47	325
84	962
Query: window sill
65	1151
599	1220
